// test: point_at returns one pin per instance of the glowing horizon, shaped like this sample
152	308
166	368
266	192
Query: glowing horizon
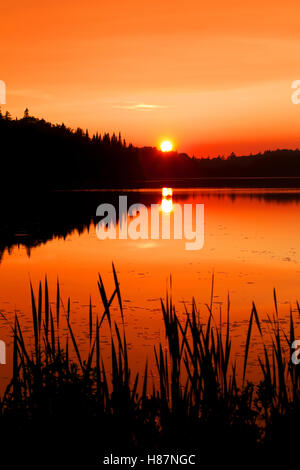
217	77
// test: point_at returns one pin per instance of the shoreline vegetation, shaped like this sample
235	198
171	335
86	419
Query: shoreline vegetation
38	156
78	410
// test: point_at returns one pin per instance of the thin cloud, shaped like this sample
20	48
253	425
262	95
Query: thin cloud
139	106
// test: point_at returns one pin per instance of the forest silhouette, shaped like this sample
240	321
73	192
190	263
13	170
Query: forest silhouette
39	155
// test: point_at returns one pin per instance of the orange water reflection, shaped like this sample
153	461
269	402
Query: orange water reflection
166	205
167	202
167	192
251	244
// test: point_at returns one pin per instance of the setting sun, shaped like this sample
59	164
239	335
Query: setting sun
166	146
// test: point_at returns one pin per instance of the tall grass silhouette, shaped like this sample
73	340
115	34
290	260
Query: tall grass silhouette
60	403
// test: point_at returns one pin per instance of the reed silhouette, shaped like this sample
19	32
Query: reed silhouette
75	411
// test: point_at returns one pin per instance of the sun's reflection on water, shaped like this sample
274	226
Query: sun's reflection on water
167	202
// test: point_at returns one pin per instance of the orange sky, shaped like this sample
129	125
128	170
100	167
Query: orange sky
214	76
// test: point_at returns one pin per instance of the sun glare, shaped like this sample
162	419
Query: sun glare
167	192
166	206
166	146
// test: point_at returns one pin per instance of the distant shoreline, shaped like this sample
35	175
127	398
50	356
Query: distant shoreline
235	182
40	157
232	182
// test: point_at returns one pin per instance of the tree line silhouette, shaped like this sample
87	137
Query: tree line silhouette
39	155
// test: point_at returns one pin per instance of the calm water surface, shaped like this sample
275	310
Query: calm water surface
251	244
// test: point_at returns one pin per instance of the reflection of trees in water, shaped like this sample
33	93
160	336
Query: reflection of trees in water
33	238
33	222
275	198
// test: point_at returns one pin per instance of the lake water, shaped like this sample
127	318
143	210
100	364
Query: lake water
251	244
